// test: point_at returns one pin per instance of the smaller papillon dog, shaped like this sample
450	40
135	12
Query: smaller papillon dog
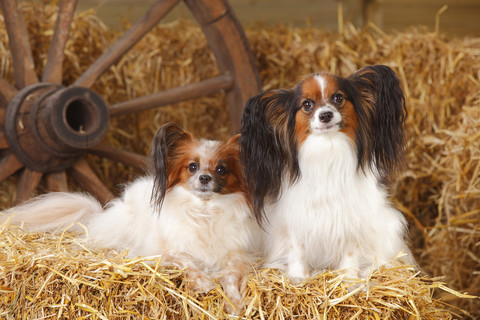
318	159
192	211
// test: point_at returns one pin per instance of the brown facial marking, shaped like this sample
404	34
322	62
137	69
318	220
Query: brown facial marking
228	155
349	120
331	86
302	126
178	166
311	89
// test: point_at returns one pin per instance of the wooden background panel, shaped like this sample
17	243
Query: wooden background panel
461	18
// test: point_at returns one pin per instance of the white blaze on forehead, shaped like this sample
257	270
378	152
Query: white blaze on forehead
325	84
322	83
206	149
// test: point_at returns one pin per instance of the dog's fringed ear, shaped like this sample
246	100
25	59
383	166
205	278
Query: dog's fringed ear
384	105
165	149
234	140
267	146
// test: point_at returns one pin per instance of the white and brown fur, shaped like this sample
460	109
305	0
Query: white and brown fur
192	211
318	159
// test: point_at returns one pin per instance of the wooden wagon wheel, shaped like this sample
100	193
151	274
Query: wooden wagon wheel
46	128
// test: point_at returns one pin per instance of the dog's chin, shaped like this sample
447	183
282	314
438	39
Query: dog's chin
330	128
204	194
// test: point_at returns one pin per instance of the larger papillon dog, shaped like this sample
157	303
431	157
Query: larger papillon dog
192	211
318	159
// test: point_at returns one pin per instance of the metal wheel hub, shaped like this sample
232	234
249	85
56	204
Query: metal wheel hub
49	127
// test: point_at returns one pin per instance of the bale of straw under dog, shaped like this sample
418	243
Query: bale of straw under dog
438	187
54	275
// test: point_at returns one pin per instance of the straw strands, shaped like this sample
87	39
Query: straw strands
45	275
438	189
53	276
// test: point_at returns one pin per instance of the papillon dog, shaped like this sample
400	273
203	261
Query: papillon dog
318	159
192	211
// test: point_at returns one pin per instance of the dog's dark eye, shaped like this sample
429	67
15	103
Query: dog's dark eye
338	99
221	170
193	167
308	105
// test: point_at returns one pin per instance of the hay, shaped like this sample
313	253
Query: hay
438	189
45	275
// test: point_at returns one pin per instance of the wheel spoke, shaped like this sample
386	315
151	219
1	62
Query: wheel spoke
82	172
190	91
7	90
53	68
8	166
228	43
23	66
125	42
57	181
3	141
7	93
27	184
129	158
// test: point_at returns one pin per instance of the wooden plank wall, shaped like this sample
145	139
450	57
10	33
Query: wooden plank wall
462	18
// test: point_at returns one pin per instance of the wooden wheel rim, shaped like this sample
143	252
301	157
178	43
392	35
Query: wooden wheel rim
238	78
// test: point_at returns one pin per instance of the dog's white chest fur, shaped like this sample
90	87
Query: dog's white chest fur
334	215
205	230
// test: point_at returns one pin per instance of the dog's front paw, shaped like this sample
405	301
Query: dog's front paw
297	274
296	279
234	286
197	281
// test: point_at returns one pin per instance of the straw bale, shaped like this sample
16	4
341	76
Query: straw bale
47	275
438	189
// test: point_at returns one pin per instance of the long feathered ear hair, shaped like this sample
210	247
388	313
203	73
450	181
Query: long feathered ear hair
381	114
167	147
268	145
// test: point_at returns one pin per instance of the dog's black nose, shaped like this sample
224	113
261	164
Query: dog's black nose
326	116
205	178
